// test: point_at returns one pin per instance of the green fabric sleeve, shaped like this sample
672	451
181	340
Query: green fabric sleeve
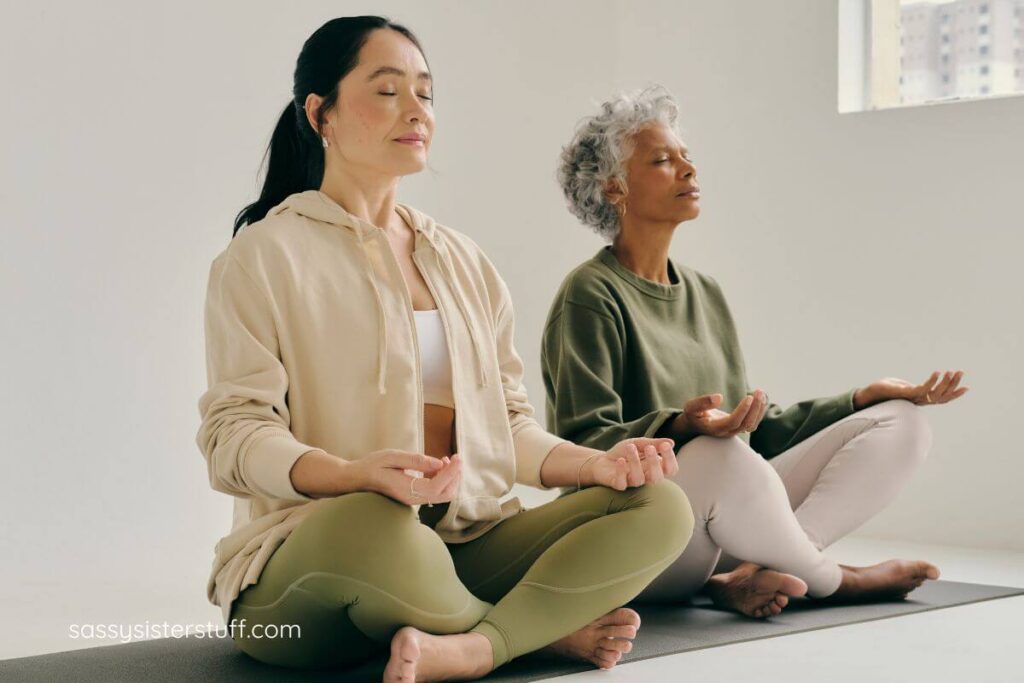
583	354
781	429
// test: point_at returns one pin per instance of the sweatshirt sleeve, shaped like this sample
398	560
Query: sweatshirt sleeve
532	442
244	434
781	429
582	355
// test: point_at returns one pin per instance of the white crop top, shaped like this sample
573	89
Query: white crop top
434	359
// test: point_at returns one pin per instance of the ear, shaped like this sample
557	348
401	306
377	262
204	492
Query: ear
614	191
313	102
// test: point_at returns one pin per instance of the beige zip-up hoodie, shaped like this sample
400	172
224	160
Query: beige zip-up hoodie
311	344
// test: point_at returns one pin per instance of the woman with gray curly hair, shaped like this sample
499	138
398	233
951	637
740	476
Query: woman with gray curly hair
637	344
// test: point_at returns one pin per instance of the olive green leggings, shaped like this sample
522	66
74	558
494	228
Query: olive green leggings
363	565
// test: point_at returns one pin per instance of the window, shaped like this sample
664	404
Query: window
909	52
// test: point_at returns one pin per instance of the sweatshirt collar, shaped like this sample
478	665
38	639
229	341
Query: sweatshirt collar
649	287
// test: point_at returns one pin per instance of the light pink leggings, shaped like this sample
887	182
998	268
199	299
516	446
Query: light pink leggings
781	513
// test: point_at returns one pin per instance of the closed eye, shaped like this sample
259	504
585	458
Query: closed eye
422	97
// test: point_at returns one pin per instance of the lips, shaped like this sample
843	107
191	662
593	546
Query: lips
411	138
685	193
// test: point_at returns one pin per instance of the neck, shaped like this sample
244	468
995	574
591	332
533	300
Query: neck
643	249
370	197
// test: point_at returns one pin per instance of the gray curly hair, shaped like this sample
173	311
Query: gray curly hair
599	150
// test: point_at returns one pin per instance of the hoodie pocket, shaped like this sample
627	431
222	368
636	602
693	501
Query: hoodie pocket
480	508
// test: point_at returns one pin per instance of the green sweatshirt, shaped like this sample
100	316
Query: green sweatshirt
621	355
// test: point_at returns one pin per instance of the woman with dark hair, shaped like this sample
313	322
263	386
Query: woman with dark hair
638	344
360	363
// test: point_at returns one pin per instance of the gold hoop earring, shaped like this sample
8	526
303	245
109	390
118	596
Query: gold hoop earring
621	208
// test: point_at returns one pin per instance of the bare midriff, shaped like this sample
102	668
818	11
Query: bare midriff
438	430
438	441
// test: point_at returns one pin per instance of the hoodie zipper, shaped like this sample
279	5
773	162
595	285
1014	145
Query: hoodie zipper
455	378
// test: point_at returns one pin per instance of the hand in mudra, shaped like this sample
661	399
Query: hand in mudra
384	471
634	462
930	392
701	415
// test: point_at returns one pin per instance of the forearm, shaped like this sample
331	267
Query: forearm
319	474
562	464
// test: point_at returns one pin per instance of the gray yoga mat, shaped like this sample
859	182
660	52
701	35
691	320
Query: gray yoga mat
665	629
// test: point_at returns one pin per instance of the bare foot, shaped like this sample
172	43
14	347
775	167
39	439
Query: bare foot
418	656
602	641
752	590
889	580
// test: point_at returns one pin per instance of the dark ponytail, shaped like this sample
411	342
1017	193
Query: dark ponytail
295	157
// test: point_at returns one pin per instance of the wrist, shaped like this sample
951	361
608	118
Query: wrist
348	478
681	427
585	470
862	398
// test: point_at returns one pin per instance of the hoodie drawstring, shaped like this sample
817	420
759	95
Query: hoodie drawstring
382	322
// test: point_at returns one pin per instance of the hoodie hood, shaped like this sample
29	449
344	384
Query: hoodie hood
319	206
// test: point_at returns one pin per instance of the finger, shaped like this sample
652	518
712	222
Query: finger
449	491
440	481
702	403
669	462
735	419
621	474
958	393
940	389
930	382
414	461
764	409
636	468
953	384
750	421
652	465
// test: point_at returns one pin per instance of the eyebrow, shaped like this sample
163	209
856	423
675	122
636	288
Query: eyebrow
394	71
666	148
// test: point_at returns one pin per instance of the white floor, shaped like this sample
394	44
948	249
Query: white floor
977	642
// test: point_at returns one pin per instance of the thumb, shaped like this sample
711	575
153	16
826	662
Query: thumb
702	403
415	461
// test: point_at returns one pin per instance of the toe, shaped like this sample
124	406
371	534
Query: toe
607	658
618	631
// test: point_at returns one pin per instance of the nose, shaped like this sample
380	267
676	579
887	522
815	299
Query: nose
416	111
685	169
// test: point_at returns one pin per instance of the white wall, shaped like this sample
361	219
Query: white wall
851	247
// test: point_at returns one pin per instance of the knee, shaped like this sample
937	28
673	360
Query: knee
910	421
359	520
672	511
724	458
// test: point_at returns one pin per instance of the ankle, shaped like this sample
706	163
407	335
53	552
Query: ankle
477	653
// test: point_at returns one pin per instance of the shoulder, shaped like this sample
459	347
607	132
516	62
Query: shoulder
706	284
258	245
588	289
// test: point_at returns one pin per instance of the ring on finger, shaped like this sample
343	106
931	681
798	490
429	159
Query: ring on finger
412	490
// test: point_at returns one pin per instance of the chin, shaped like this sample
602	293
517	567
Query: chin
408	167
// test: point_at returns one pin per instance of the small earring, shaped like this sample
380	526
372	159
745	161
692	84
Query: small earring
324	140
621	207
